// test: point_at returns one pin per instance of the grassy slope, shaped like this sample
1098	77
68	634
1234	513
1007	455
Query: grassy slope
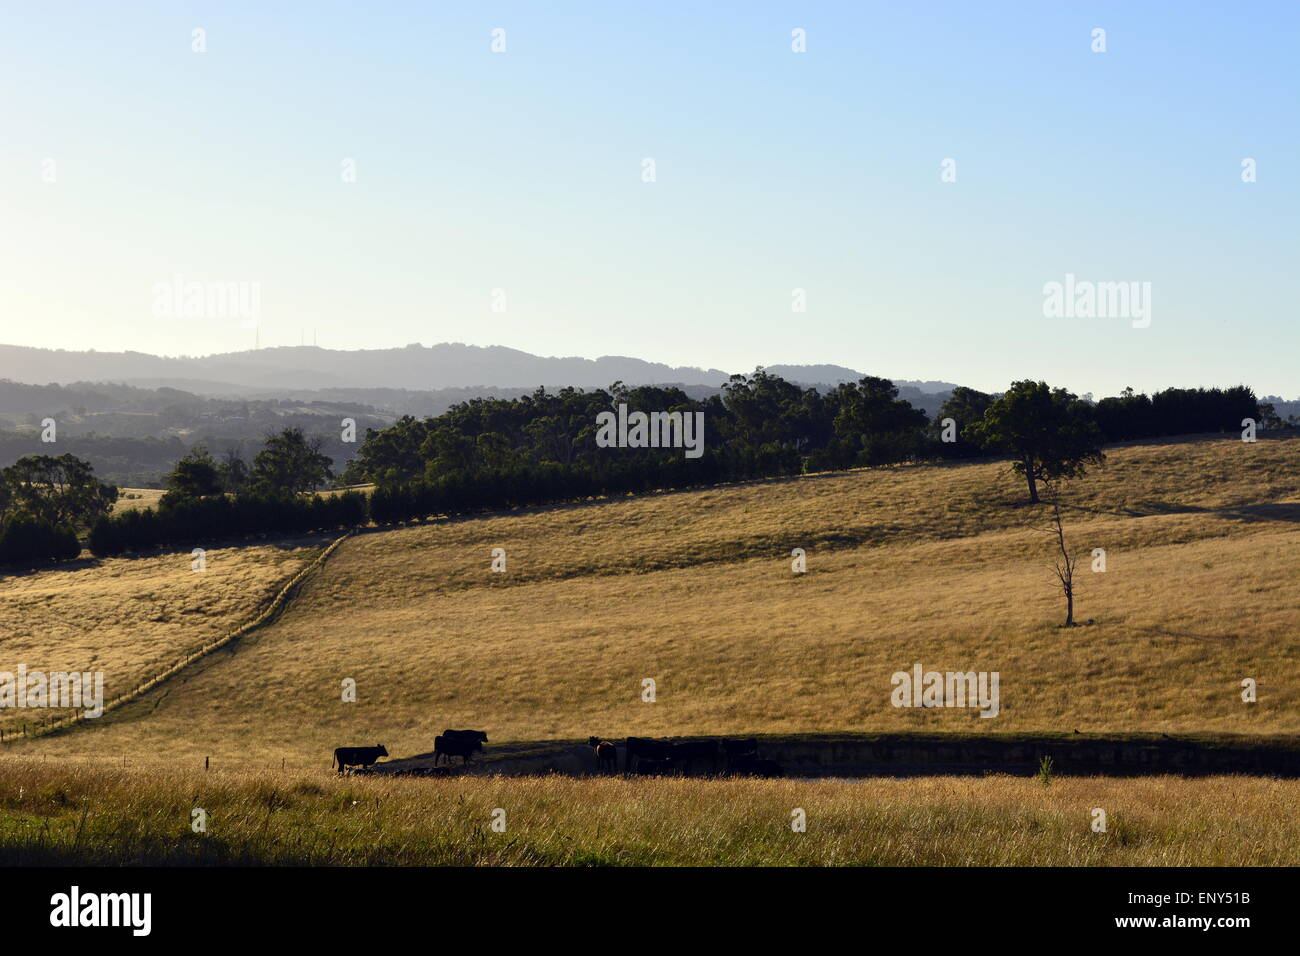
935	564
132	618
61	812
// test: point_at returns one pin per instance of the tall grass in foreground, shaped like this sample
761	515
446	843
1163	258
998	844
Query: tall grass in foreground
79	813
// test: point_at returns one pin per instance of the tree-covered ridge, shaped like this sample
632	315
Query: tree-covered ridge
761	425
545	447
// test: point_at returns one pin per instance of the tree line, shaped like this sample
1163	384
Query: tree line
488	454
209	500
502	452
49	504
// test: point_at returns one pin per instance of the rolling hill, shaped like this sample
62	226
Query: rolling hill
308	367
934	564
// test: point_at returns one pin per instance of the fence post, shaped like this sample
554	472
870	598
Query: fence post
205	762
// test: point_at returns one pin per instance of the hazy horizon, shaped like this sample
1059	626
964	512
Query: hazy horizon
781	367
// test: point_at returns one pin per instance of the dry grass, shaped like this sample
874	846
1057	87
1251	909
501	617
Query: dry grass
936	564
131	499
73	811
132	618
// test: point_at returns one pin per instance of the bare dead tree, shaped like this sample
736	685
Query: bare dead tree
1064	565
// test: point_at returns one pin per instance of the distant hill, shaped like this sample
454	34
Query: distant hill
414	368
307	367
835	374
132	414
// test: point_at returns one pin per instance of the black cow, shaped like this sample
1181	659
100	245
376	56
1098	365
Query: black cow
357	756
470	735
463	747
467	734
749	766
689	753
648	767
733	749
640	747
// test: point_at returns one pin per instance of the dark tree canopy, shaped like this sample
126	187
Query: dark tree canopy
289	463
1049	432
62	491
195	475
1177	411
233	473
26	540
873	426
966	407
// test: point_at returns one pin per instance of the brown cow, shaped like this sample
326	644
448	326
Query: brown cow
606	755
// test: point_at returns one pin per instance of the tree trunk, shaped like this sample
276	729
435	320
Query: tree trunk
1033	483
1069	608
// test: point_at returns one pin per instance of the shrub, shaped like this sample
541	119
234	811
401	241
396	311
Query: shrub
27	541
106	538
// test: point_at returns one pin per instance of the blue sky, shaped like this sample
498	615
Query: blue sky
775	170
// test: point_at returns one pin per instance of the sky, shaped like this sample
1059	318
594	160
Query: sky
501	197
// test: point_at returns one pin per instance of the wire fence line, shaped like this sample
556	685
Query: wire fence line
153	762
42	728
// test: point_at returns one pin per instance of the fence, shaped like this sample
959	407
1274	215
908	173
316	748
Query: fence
272	610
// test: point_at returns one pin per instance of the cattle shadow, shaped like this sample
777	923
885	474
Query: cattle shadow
27	571
1273	511
1285	511
286	543
865	756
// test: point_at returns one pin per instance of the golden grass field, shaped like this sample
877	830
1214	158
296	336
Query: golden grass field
131	499
73	811
131	619
937	564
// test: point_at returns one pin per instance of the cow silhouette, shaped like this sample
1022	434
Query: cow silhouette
357	756
606	755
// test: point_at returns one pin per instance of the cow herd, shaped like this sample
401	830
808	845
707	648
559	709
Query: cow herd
642	756
649	757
